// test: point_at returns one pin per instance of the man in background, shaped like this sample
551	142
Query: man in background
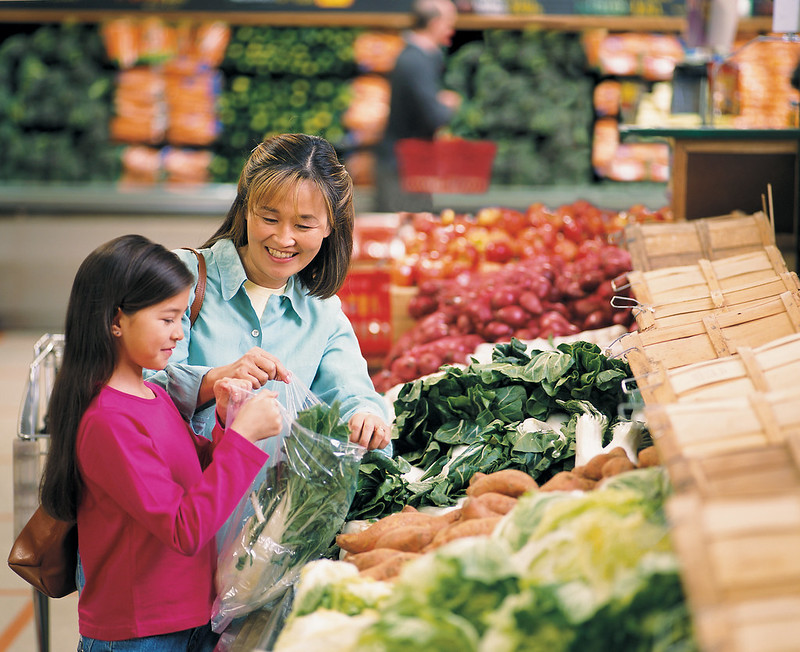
418	106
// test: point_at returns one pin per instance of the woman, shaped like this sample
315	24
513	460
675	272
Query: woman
270	308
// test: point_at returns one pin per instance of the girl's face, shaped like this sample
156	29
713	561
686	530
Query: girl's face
149	335
284	237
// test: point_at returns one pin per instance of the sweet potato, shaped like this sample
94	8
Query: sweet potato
648	457
617	465
476	476
580	470
440	521
390	567
568	481
408	539
466	528
474	508
365	540
489	504
594	467
370	558
509	482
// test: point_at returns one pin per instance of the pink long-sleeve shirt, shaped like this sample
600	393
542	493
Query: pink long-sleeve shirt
154	498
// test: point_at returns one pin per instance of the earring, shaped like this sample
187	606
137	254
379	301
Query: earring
115	330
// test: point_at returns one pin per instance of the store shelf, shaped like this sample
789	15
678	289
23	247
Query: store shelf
575	23
215	199
569	23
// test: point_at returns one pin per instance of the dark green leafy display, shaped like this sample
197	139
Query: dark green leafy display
467	420
56	92
529	91
381	488
281	80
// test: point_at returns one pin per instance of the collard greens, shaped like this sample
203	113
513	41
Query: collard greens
466	420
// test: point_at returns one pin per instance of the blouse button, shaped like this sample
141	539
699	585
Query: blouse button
254	333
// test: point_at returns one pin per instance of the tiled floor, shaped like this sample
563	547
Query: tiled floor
17	626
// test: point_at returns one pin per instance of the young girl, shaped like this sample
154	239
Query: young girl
147	493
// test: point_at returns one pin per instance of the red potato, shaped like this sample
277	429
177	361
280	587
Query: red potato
505	295
531	302
514	316
496	331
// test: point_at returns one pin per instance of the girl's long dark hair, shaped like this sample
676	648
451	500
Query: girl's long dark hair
128	273
279	165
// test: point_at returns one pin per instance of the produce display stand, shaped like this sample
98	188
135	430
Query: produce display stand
654	245
29	451
714	336
676	295
724	414
767	368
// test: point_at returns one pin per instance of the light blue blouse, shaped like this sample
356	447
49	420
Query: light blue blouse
312	337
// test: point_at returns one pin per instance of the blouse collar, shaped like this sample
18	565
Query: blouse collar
233	276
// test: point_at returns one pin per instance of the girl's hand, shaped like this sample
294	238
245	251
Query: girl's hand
255	367
369	430
227	391
259	417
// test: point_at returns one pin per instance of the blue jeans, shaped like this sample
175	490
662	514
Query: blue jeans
198	639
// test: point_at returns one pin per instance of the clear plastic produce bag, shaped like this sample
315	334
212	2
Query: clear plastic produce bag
296	506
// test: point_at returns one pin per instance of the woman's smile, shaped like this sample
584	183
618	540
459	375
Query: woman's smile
275	253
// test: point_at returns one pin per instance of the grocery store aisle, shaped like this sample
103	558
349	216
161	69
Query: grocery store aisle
17	631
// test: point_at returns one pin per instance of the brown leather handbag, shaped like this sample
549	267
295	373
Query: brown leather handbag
45	554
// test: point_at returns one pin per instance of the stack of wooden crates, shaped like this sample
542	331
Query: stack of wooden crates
717	362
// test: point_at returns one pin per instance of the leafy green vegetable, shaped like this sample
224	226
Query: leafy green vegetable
563	572
432	630
299	507
462	421
469	577
327	584
381	488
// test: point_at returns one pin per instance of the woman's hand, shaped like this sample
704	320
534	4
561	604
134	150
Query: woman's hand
259	417
255	367
369	430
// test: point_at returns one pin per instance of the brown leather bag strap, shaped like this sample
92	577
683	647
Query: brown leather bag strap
200	289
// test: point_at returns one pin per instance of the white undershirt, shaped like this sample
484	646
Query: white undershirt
259	295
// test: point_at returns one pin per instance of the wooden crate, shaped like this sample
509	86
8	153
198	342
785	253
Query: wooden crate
654	245
764	470
677	295
766	368
702	429
740	569
715	336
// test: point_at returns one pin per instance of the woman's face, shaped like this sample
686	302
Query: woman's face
284	237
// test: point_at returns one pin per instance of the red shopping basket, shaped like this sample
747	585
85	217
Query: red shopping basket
446	165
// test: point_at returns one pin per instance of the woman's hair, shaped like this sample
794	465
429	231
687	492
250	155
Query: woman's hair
128	273
278	166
